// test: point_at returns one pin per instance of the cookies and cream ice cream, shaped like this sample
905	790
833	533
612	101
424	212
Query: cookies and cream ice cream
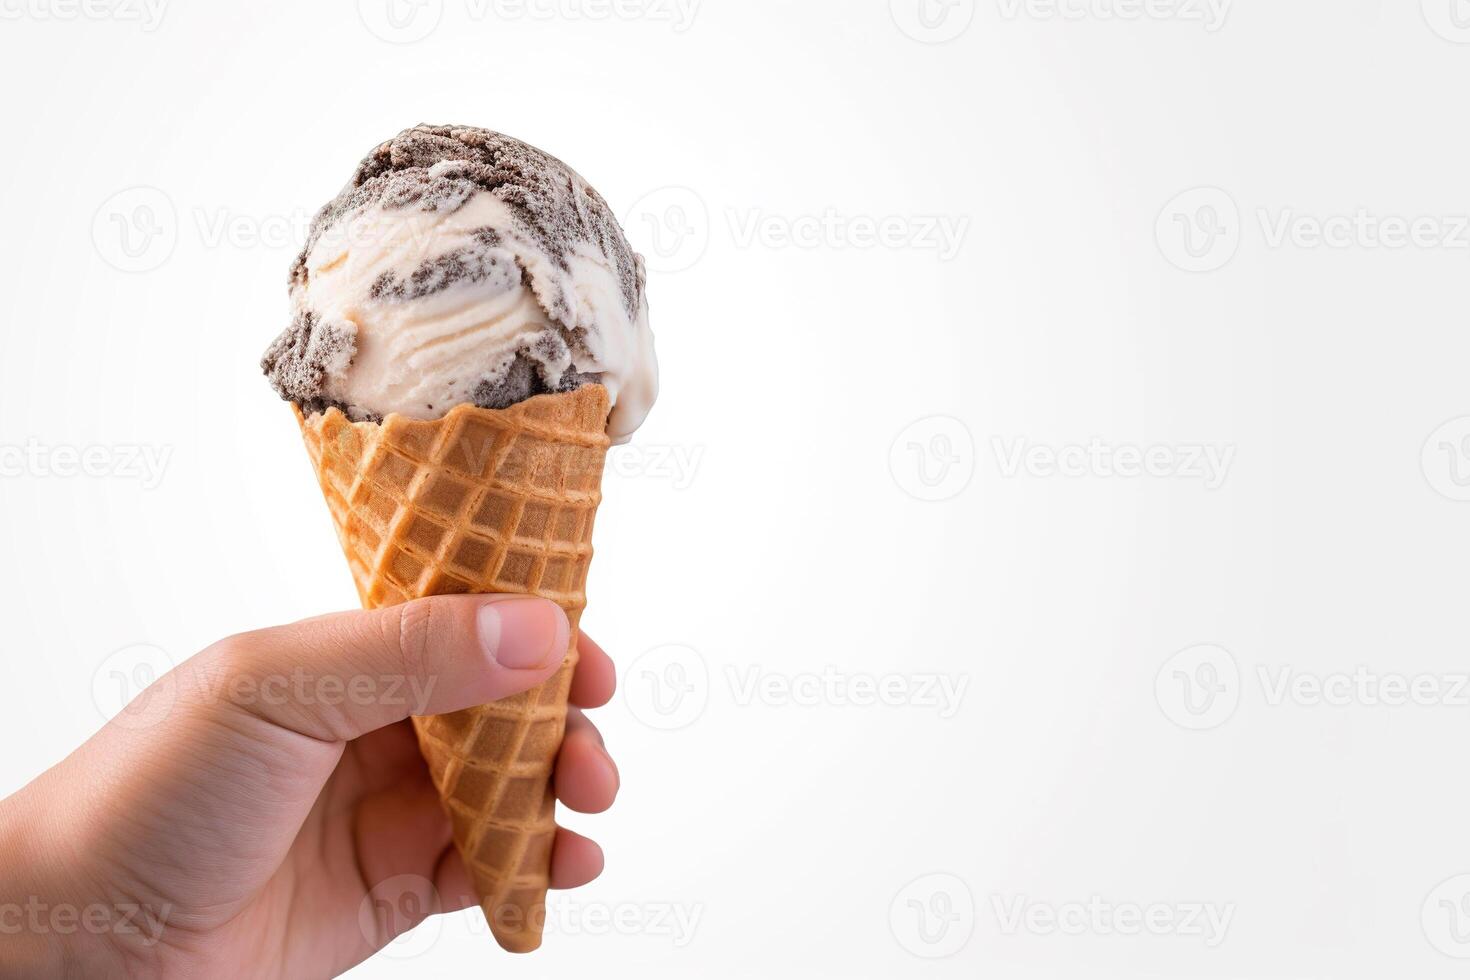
462	266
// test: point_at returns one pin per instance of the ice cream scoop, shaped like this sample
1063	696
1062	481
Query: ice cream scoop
460	266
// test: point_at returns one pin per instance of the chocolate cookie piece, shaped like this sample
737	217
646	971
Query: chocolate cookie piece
298	361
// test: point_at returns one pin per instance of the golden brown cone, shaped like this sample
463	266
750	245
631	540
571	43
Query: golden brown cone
479	501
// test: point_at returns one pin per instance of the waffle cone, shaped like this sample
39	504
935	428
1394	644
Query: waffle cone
479	501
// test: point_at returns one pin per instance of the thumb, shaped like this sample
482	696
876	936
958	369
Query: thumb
337	677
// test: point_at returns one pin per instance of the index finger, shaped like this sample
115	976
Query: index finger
596	677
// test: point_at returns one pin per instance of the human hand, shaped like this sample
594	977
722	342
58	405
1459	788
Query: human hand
235	818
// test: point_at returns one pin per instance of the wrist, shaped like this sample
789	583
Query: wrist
30	948
45	931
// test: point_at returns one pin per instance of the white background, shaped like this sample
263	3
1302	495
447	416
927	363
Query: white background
1135	264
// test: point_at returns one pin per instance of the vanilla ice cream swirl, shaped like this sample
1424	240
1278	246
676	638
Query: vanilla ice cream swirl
461	266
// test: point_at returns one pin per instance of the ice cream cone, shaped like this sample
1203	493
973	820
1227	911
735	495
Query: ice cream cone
479	501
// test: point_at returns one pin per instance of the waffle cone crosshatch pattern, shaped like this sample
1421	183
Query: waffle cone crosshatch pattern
480	501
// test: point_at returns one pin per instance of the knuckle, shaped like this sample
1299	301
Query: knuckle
218	670
414	626
232	649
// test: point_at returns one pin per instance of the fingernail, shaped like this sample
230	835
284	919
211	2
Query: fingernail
523	633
